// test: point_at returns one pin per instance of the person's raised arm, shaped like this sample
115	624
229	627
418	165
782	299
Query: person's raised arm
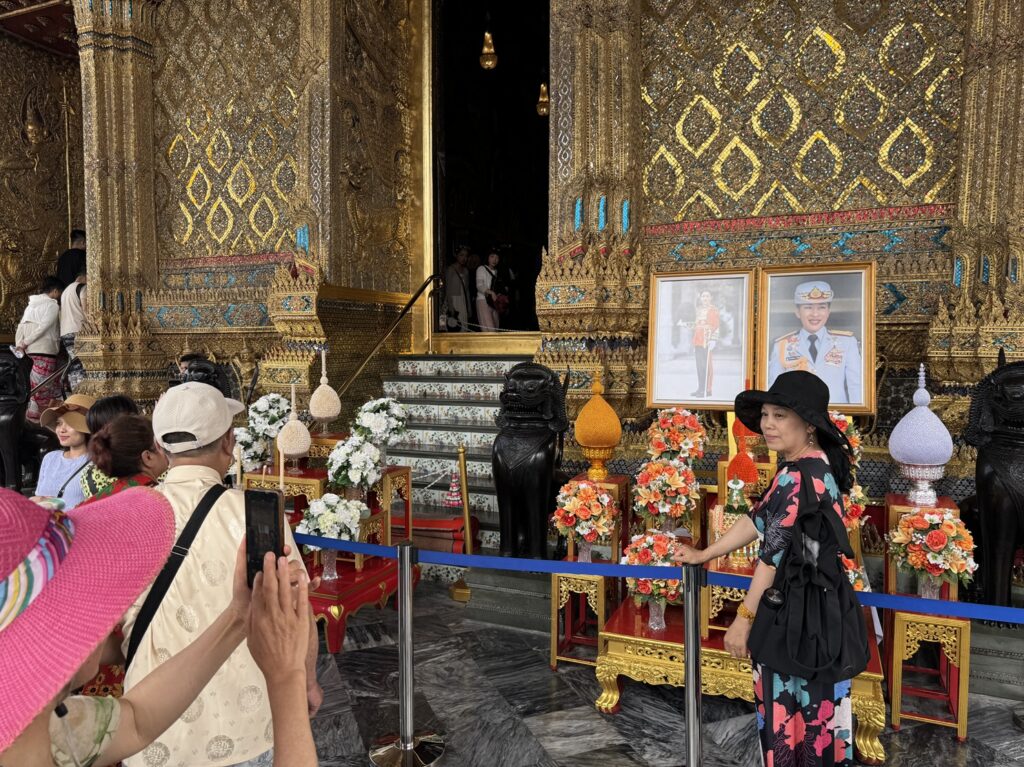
279	626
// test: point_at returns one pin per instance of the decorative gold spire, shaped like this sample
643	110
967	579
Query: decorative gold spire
598	431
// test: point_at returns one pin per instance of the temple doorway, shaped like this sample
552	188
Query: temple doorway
490	169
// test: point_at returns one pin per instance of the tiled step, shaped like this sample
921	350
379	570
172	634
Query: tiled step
472	436
466	390
427	411
479	503
456	365
430	459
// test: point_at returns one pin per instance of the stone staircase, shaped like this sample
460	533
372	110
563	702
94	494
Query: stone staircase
452	400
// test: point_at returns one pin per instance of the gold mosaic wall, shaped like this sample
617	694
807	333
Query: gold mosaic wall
779	106
33	181
227	125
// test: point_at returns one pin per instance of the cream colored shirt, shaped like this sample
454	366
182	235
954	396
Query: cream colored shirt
230	720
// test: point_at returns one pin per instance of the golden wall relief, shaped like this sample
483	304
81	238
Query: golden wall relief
775	106
227	127
373	92
33	176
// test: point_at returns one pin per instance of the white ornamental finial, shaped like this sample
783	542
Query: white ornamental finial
921	397
323	367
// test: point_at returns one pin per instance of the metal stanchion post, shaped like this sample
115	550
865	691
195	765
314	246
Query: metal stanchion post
694	577
407	749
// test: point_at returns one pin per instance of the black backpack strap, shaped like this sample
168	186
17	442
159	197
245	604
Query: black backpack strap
166	577
79	470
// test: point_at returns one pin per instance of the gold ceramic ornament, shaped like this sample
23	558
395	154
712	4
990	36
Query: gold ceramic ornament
598	431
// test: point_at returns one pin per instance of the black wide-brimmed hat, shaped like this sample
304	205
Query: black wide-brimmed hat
802	392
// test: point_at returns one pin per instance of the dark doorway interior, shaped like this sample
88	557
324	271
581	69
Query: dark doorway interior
491	171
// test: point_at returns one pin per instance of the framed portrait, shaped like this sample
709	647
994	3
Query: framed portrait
700	339
820	319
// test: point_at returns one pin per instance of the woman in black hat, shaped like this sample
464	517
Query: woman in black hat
800	721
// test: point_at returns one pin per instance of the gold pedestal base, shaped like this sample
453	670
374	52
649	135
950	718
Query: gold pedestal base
459	591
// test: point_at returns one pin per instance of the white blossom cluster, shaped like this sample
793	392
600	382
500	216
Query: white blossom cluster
354	463
268	415
255	451
332	517
381	421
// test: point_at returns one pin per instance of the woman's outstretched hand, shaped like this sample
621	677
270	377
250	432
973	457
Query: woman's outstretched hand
688	555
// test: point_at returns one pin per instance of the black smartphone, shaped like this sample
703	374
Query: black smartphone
264	528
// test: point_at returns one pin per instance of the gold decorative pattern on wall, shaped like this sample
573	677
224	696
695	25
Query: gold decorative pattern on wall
775	107
33	180
227	126
372	86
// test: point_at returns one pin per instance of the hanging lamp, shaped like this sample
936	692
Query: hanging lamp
488	58
543	101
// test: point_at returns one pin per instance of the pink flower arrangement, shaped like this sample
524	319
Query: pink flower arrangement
665	490
676	433
585	511
656	550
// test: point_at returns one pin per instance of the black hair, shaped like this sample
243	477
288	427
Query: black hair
193	357
49	284
177	437
77	234
106	409
83	272
839	452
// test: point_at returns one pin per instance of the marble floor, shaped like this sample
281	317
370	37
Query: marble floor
490	692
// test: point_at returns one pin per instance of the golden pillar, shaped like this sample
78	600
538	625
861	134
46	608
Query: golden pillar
115	40
591	293
986	301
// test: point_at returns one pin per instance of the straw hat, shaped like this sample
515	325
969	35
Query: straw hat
73	409
80	570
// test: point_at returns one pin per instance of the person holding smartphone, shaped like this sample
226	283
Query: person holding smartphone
231	720
86	567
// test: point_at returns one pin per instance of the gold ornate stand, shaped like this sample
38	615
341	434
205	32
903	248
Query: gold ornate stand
627	647
954	636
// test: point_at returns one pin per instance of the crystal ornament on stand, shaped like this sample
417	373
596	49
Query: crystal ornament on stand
294	439
324	404
921	446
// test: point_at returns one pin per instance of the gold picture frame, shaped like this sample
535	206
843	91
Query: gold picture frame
848	327
681	349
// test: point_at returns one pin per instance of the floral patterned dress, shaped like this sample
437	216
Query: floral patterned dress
801	723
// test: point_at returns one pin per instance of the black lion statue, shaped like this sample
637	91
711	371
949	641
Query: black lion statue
22	445
996	427
532	423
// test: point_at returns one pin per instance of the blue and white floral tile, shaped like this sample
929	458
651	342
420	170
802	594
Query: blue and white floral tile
490	539
441	573
417	436
478	502
463	392
430	467
446	367
456	413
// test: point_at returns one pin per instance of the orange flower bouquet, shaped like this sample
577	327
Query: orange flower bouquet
653	549
934	544
855	504
676	433
665	491
846	425
858	578
586	513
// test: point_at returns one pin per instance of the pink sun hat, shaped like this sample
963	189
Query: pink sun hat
65	581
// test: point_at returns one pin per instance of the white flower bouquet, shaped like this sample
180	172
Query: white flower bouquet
381	421
255	451
332	517
268	415
354	463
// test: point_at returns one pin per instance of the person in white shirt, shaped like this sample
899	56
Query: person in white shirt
38	335
230	722
72	315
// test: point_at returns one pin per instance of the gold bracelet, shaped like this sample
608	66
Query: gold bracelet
743	612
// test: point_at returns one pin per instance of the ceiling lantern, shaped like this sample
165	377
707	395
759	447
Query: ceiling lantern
488	58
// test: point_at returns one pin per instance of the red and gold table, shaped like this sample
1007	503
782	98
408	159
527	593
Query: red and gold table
301	485
334	602
627	647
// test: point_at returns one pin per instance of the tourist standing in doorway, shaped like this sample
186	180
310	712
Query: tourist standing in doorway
489	298
38	335
456	287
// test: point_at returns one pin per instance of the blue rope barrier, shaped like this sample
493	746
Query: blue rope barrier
607	569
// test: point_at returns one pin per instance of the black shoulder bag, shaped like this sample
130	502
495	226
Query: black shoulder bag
166	577
809	623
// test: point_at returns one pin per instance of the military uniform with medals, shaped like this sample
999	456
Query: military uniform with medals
832	355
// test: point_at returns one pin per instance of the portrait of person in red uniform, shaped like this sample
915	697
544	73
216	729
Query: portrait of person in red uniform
700	339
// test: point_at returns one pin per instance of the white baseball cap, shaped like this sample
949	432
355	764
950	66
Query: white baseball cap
193	408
